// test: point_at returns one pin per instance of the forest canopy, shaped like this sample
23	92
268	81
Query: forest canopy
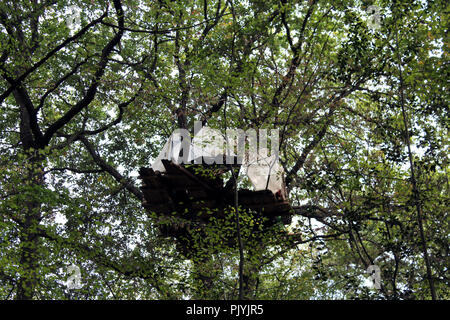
90	91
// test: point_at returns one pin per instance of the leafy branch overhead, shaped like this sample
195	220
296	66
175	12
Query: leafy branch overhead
90	91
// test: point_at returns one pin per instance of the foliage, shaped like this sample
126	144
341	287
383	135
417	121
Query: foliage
84	106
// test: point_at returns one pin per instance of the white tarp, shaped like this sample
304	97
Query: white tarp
207	143
170	151
263	171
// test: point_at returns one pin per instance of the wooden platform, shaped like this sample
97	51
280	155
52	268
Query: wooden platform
194	191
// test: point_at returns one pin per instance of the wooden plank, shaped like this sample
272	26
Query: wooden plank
277	209
161	208
153	182
256	199
155	195
145	172
174	168
178	179
178	184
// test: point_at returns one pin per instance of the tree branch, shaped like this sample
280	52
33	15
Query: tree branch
19	80
91	92
112	171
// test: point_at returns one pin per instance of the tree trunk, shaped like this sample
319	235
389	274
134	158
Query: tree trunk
29	238
30	214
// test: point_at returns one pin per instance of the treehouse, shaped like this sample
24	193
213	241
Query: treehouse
185	195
